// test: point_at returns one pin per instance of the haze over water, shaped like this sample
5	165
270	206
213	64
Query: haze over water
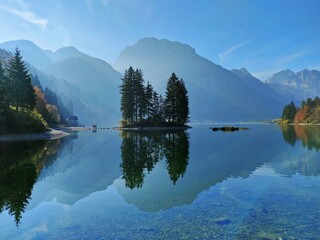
256	184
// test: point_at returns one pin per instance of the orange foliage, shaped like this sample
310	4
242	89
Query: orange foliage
301	115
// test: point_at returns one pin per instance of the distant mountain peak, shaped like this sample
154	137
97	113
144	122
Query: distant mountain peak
241	70
68	49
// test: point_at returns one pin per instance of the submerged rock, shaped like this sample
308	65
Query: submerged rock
222	221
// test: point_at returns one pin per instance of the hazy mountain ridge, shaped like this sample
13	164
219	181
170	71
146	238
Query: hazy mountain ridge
91	82
215	93
296	86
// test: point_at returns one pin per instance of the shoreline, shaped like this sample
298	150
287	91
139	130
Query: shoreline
49	135
151	128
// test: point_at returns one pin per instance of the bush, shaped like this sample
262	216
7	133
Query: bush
23	121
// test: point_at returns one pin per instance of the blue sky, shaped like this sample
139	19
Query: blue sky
265	36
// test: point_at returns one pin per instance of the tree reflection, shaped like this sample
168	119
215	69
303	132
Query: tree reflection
309	135
20	166
140	152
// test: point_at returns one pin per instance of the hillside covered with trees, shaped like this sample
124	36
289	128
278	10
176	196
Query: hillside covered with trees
24	106
308	112
142	106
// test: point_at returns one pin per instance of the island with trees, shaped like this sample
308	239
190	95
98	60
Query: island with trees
25	107
143	107
307	113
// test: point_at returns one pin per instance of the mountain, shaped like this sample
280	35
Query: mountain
90	82
296	86
215	93
30	52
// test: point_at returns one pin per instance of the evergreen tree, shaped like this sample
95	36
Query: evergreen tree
3	89
149	100
127	96
176	102
21	91
182	103
156	106
289	111
170	107
139	95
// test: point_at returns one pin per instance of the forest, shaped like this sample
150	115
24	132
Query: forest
308	112
142	106
25	107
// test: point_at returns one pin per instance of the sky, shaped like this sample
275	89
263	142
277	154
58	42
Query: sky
264	36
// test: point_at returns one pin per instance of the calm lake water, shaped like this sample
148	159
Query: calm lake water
261	183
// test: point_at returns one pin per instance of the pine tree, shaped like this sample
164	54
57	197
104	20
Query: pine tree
289	112
156	106
3	89
21	91
171	99
182	103
127	96
149	100
139	95
176	101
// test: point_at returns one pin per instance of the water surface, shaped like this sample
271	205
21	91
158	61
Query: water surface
196	184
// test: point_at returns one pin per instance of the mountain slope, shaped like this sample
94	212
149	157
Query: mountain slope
296	86
30	52
215	93
90	82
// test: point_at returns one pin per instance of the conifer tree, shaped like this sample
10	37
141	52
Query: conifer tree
21	91
176	107
139	95
171	99
182	103
127	95
149	100
3	89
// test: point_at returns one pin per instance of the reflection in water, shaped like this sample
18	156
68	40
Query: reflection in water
20	166
141	151
308	134
306	161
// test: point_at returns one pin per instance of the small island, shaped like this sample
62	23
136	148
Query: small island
142	108
307	113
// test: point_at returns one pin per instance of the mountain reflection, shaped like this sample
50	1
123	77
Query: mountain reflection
20	166
141	151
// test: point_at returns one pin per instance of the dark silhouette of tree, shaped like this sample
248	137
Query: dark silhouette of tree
127	96
289	111
3	89
289	134
139	95
176	103
149	100
21	90
177	154
141	151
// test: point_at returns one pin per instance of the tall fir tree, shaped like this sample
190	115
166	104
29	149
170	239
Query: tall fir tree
127	96
149	100
3	89
170	107
139	95
182	103
176	105
21	91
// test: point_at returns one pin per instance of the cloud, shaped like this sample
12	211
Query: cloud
225	54
294	56
22	10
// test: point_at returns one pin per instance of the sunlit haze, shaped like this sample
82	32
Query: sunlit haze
263	36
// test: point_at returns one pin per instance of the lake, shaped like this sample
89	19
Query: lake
261	183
